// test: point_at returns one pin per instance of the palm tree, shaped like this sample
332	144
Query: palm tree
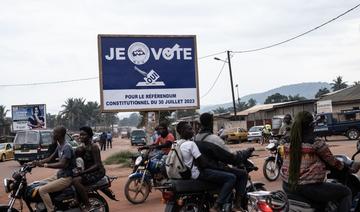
74	112
93	115
338	84
3	113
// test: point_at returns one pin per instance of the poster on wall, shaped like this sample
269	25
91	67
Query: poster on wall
25	117
148	72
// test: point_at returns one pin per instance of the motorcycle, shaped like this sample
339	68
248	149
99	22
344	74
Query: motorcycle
147	174
196	195
299	203
273	163
65	200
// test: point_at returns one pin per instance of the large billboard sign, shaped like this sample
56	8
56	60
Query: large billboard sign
147	73
25	117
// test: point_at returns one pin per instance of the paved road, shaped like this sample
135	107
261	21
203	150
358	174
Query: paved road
338	145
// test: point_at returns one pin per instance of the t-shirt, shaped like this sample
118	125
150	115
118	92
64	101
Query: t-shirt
189	151
65	151
160	140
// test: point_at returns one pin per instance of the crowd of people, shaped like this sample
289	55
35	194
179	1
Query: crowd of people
208	159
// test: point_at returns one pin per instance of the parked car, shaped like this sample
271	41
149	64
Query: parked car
138	137
32	145
236	135
346	123
255	133
6	151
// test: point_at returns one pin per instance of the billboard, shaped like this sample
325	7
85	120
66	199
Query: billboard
25	117
147	73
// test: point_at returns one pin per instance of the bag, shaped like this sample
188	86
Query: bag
175	166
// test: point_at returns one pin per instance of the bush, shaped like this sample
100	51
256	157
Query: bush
123	157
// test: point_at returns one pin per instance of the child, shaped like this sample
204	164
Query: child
79	153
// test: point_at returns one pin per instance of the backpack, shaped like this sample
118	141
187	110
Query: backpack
174	164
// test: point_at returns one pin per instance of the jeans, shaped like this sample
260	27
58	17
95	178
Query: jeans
325	192
241	180
225	179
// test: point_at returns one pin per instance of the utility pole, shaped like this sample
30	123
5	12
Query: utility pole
232	85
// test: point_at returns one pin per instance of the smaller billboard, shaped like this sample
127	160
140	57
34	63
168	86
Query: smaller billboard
25	117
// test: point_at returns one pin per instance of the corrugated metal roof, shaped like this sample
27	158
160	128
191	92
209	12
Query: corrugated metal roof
257	108
347	94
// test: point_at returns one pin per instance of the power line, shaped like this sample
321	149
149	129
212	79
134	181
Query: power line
300	35
48	83
217	78
211	55
81	79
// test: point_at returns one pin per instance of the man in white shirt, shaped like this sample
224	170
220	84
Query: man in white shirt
192	159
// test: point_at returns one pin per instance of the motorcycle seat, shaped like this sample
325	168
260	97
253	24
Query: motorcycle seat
101	183
295	199
192	186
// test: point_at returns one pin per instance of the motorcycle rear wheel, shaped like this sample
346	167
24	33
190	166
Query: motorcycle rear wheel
271	169
133	189
98	203
4	208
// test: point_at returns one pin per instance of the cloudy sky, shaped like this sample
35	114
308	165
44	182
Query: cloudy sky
44	41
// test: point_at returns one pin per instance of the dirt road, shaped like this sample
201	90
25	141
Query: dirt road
339	145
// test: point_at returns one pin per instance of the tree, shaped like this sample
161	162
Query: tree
50	120
321	92
356	83
297	97
92	113
186	113
132	120
276	98
220	110
3	121
338	84
251	102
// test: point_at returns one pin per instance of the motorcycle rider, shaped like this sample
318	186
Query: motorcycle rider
163	142
215	150
200	168
66	163
286	127
94	169
304	169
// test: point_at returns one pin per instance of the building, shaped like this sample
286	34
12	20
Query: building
344	100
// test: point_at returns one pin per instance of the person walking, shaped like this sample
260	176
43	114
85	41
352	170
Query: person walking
109	140
103	138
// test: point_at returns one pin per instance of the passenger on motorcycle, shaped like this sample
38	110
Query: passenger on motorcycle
194	159
285	128
94	169
219	155
304	168
66	164
163	142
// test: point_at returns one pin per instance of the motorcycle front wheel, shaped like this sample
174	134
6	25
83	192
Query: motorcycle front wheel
135	191
271	169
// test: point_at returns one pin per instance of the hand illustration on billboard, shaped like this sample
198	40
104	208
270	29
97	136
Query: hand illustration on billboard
36	120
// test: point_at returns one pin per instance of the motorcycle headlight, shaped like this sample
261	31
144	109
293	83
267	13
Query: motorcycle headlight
8	185
138	161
